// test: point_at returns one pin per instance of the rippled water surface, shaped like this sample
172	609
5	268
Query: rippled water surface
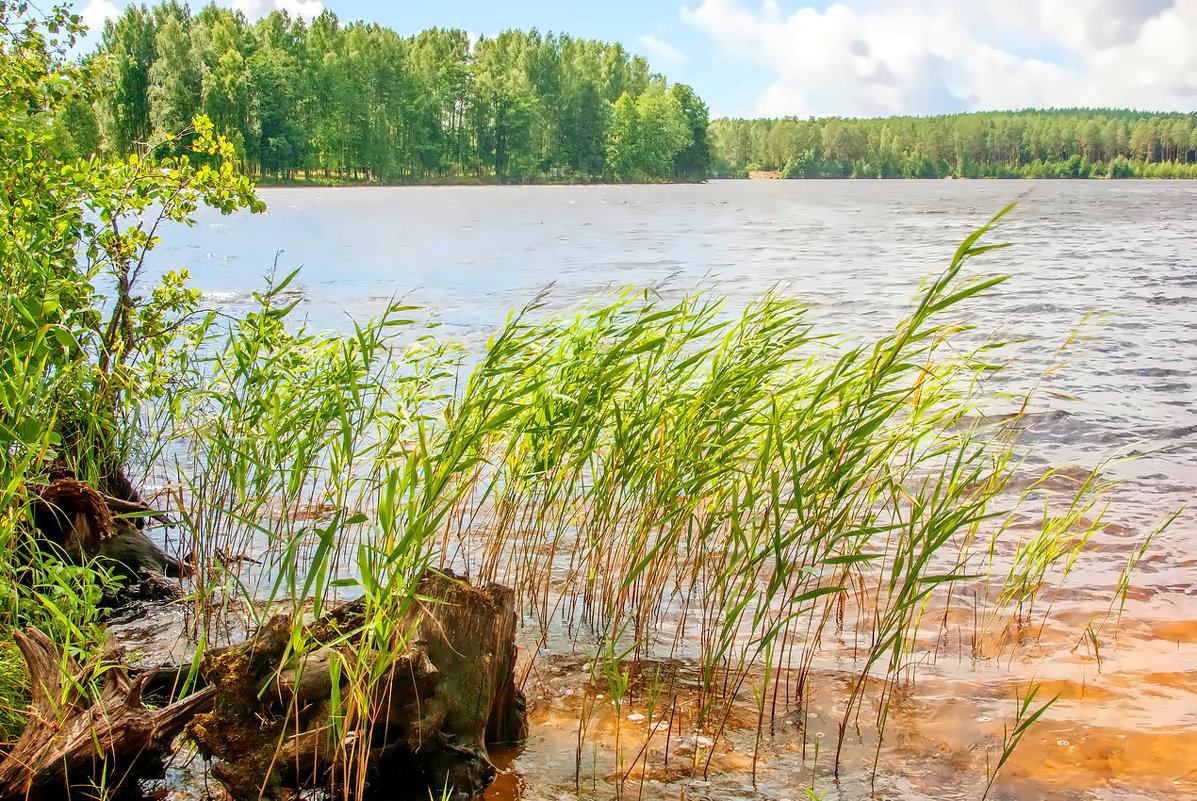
1116	261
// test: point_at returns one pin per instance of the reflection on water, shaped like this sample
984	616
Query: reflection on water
1125	724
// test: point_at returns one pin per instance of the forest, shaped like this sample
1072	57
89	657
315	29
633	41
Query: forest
360	102
1064	143
338	103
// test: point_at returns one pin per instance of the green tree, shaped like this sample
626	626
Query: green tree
360	102
693	161
227	94
176	80
1143	141
506	109
662	131
584	113
843	141
440	62
1031	143
623	139
277	88
130	42
73	369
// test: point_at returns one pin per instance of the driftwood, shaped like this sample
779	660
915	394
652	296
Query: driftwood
139	509
72	516
72	740
77	522
265	716
450	691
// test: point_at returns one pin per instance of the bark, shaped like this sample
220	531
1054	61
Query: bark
442	690
449	691
73	740
77	522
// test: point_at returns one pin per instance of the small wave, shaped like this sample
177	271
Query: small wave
219	296
1154	372
1180	432
230	297
1163	300
1038	308
1059	479
1017	421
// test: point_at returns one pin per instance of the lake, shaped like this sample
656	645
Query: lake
1110	268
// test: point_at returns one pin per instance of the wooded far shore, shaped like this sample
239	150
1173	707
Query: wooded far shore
328	103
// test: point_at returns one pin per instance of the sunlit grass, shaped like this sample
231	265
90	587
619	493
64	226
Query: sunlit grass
654	479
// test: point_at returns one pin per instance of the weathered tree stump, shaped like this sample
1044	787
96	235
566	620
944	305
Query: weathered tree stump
442	690
72	740
450	690
76	522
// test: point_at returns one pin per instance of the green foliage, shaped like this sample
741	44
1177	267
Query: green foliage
1077	143
362	103
647	135
71	359
693	162
622	137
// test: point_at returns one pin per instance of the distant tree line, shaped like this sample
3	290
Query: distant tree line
361	102
1066	143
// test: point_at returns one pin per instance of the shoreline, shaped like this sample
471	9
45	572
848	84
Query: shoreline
303	184
273	183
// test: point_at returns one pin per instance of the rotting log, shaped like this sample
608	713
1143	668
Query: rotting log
77	522
72	740
265	717
449	691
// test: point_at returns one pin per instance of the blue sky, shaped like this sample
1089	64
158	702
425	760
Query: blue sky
852	58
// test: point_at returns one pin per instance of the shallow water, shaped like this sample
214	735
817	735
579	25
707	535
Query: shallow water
1126	723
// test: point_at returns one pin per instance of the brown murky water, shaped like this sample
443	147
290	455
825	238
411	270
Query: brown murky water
1125	723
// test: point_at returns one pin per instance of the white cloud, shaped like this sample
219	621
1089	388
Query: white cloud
1090	24
255	9
938	56
661	52
95	12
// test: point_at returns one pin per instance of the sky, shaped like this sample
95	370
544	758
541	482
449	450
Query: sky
858	58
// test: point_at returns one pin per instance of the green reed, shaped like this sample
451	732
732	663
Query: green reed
1025	715
652	478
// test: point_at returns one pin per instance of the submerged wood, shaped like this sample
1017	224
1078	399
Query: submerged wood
449	692
72	740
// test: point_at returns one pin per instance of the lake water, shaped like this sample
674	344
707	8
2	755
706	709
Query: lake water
1116	259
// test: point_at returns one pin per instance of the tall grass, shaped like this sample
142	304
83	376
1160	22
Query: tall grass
654	479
